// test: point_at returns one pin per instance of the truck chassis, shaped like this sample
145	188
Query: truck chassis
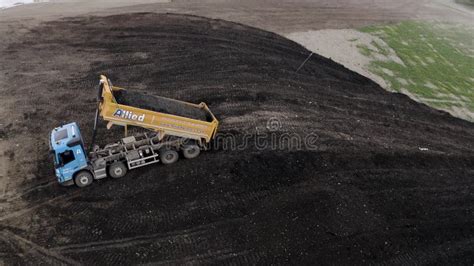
133	152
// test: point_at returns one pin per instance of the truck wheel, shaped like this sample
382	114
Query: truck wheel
83	179
168	156
117	170
191	151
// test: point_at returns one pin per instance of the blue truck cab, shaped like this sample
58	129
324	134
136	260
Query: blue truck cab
69	154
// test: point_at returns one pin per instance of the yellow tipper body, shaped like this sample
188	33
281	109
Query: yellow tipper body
165	124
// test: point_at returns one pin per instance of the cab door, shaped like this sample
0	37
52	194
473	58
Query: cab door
68	163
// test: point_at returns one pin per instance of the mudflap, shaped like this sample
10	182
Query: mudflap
206	146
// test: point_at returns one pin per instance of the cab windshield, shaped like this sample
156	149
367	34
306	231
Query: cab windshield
60	135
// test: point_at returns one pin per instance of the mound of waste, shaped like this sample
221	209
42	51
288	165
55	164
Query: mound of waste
316	165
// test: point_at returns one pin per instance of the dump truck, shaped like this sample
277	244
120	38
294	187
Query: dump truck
172	127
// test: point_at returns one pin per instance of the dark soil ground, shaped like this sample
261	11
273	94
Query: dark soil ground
385	179
159	104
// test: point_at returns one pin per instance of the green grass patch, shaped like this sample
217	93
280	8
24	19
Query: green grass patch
365	50
438	62
380	49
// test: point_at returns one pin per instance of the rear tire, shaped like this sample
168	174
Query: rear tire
117	170
169	156
191	151
83	179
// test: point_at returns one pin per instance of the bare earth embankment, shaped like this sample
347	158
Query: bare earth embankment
389	180
430	62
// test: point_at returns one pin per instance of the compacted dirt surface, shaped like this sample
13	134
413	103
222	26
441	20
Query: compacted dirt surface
320	165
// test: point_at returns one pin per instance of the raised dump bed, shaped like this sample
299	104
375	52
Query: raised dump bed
161	105
166	116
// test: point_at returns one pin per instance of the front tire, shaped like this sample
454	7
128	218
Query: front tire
117	170
83	179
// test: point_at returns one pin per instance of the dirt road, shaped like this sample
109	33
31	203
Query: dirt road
383	179
280	16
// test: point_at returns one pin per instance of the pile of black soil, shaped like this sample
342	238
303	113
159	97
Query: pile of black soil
161	104
320	165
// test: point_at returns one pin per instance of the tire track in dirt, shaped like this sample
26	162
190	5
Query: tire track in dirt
180	213
225	256
182	237
434	253
3	169
27	209
27	246
185	246
25	191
